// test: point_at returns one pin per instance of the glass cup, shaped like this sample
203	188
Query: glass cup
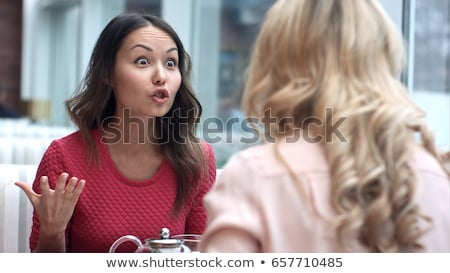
190	240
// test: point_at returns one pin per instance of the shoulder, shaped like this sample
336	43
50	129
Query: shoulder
427	164
70	138
265	159
207	149
65	141
71	144
57	155
252	159
435	183
433	199
246	164
72	141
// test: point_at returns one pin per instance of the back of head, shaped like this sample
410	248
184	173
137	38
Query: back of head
304	45
340	60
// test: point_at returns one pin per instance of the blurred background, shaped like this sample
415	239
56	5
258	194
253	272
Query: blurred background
45	47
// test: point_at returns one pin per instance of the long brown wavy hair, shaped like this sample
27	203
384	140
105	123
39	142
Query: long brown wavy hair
346	55
94	103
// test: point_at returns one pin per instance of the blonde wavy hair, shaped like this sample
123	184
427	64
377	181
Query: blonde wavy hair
346	55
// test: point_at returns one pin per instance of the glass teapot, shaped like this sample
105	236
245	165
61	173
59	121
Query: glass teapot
161	245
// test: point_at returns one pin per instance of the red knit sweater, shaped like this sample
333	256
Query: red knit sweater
112	205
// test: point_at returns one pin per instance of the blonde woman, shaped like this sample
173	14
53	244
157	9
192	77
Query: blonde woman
349	165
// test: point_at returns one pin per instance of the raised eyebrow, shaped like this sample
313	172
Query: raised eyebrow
150	49
172	49
143	46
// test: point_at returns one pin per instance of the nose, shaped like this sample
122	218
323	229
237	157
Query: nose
159	75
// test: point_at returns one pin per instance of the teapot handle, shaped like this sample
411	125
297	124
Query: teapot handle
185	249
124	239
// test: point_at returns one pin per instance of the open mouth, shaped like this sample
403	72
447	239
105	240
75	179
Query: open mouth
161	95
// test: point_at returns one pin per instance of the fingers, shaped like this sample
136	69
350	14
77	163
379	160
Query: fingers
79	188
72	185
61	183
45	188
27	190
74	188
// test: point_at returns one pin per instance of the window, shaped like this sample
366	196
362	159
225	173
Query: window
232	27
430	45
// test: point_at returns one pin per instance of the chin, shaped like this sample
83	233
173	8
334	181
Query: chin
158	114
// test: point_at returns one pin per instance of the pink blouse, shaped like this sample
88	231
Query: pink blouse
255	206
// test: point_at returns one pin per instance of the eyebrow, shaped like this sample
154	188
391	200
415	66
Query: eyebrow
151	49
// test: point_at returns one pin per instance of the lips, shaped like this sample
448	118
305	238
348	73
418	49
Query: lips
160	95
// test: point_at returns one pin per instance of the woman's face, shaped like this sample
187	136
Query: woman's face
146	75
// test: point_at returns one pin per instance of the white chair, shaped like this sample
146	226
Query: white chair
23	150
15	208
24	143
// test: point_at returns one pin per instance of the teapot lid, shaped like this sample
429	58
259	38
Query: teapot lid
164	233
164	241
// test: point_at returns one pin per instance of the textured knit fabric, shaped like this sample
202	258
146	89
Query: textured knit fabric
111	205
256	207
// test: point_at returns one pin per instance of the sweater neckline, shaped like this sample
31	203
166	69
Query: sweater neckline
111	166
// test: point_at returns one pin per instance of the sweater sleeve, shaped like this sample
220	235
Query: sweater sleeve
52	166
234	221
196	220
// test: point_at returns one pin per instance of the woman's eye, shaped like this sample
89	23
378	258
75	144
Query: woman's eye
171	63
142	61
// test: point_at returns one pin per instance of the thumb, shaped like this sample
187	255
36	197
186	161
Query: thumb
27	189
